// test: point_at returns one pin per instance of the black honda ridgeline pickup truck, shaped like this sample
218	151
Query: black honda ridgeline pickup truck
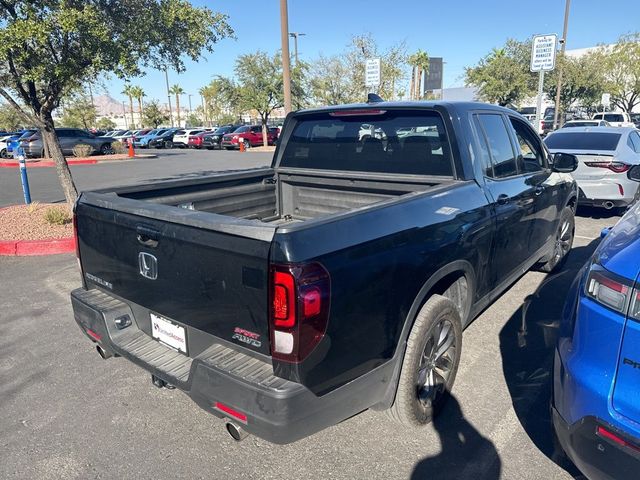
289	298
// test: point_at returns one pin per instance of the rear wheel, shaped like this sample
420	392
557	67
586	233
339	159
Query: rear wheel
106	149
3	153
247	144
430	363
563	242
168	144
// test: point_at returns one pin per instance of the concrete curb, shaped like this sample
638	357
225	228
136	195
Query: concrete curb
51	246
76	161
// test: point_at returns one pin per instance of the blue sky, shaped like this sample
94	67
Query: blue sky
460	31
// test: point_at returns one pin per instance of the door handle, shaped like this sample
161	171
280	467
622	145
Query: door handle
539	189
503	199
147	236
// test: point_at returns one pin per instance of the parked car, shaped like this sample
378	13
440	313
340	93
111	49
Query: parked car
595	404
546	124
142	141
69	138
213	139
123	136
617	119
195	141
605	155
289	298
163	140
635	118
15	140
586	123
5	137
181	137
249	135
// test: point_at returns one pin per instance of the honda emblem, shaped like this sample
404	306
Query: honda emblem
148	265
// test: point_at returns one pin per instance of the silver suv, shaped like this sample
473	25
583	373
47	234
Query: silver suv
69	138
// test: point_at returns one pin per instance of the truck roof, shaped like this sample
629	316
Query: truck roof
457	105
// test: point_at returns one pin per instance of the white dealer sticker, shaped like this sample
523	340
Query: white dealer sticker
168	333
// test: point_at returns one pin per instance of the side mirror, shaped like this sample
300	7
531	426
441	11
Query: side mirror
564	162
634	173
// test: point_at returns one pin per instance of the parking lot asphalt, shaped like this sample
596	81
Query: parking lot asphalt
66	413
174	163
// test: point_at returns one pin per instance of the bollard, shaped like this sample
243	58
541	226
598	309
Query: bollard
241	145
23	177
132	153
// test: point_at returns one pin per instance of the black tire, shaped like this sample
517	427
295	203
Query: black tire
427	377
3	153
563	242
106	149
168	144
247	144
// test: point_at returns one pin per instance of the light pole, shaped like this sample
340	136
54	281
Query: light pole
563	45
286	67
190	95
295	36
124	114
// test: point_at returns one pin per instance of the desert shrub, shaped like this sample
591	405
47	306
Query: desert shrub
57	216
118	148
82	150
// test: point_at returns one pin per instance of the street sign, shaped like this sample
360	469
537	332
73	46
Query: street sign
543	53
434	75
372	72
605	101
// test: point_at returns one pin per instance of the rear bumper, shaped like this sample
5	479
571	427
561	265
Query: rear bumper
277	410
597	192
597	457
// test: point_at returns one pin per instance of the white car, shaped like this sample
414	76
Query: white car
605	155
586	123
3	145
181	137
615	119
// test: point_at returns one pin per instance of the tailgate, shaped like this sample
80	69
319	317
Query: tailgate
201	271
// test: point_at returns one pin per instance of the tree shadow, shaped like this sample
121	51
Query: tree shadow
527	343
465	453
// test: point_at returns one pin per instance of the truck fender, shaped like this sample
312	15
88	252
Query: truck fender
425	292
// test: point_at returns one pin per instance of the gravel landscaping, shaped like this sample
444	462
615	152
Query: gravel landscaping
27	222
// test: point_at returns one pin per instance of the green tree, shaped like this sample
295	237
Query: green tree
501	77
10	120
105	123
177	90
582	81
49	47
79	112
137	92
330	83
193	119
220	100
419	62
623	72
153	115
259	86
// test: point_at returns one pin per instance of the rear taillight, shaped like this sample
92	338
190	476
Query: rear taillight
300	296
604	433
617	167
613	291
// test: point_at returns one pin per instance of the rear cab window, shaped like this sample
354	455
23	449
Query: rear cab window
395	141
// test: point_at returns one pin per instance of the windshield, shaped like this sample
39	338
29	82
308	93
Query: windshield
242	129
222	130
395	141
580	124
27	134
583	141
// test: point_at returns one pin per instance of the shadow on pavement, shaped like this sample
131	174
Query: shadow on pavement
464	452
527	344
595	212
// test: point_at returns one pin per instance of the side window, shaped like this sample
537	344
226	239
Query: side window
499	143
485	159
531	157
256	129
63	133
635	141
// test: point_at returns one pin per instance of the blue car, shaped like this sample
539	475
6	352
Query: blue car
596	387
143	141
14	141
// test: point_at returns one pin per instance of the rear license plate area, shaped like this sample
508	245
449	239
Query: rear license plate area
169	333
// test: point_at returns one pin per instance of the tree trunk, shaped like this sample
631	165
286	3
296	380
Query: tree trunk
178	109
133	124
50	139
412	87
265	136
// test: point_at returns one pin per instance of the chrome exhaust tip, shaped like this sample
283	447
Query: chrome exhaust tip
103	353
608	205
236	431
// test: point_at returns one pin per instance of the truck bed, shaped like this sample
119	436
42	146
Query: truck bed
281	198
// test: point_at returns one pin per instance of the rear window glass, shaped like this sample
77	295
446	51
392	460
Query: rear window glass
394	141
610	117
583	141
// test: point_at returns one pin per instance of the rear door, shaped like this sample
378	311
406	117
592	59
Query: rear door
511	195
204	272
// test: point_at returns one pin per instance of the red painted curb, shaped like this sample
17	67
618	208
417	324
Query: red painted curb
52	246
47	163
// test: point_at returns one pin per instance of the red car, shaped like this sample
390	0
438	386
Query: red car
250	135
195	141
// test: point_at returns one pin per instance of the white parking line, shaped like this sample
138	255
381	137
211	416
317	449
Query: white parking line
584	238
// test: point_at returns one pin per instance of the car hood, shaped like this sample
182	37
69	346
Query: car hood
620	250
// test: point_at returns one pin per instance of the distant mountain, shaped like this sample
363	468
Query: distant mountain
107	105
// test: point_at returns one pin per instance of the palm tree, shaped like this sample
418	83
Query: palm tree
129	91
177	90
203	91
137	93
420	63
